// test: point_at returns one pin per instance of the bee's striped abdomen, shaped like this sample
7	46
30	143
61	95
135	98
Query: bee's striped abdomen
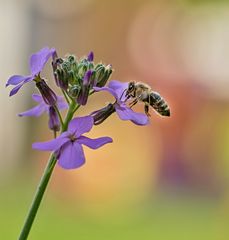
159	104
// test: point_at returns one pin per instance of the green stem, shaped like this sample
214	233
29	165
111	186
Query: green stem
38	197
66	96
44	180
72	109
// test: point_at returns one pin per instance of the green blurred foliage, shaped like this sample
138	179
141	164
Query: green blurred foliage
165	217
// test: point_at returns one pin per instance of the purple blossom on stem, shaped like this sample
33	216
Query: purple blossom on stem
37	63
68	146
42	107
117	89
47	93
88	81
90	57
54	121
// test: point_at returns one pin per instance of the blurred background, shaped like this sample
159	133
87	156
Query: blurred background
168	180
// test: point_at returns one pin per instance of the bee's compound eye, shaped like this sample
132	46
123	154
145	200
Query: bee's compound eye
131	86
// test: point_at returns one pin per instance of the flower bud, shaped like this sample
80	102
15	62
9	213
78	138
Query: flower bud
85	88
93	79
90	57
71	78
100	71
54	122
102	74
72	59
101	115
82	69
65	71
61	79
74	91
47	93
54	60
59	74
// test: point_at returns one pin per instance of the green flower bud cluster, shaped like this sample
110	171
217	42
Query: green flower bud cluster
70	74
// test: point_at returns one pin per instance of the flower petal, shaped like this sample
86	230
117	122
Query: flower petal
39	59
35	111
126	113
80	125
97	89
15	80
37	98
71	155
118	87
52	145
17	88
94	143
61	104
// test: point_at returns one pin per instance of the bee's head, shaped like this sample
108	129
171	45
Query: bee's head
130	89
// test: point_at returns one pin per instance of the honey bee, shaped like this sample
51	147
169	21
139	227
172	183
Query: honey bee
141	92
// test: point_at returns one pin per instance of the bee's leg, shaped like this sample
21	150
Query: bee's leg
133	103
131	95
146	107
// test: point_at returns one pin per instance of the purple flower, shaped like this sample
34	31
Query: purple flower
68	146
37	63
117	89
42	106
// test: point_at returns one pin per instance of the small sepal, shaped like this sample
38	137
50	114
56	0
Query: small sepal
101	115
47	93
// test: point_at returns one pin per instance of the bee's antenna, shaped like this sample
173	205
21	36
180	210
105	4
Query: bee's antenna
122	94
